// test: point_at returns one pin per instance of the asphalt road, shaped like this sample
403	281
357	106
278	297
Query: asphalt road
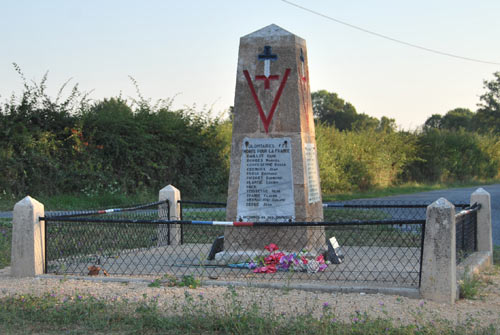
461	195
453	195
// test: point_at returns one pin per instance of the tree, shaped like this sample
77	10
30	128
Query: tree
433	122
487	117
330	109
364	122
455	119
387	125
458	118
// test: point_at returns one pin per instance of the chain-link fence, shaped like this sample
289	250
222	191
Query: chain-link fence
353	244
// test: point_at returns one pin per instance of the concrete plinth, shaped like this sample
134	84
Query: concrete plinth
28	239
173	195
439	257
484	231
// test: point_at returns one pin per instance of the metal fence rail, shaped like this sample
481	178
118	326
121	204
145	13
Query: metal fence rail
466	232
333	211
376	248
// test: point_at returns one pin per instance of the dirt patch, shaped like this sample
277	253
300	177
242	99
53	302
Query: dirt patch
484	310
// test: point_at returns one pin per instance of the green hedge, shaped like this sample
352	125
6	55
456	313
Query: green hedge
72	146
108	146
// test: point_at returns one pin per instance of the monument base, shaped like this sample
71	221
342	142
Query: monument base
293	239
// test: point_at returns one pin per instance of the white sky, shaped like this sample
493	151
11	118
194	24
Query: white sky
190	48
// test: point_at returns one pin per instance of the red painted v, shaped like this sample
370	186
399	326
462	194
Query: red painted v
266	120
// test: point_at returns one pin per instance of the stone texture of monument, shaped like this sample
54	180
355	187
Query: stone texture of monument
274	174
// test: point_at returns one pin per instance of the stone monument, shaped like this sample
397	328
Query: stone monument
274	173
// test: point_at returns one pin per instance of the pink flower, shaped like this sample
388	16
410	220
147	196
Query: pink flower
320	259
271	247
265	269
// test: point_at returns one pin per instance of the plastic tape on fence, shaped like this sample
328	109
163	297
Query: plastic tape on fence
231	223
224	223
112	210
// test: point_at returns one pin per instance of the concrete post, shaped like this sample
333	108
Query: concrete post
173	195
28	239
484	238
439	257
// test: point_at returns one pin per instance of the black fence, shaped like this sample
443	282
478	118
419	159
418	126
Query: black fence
466	232
201	210
370	242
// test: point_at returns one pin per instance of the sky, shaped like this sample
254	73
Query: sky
188	50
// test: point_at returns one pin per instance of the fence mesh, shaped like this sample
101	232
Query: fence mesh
370	245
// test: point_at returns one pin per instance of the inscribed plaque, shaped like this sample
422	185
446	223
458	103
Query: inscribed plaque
312	173
266	181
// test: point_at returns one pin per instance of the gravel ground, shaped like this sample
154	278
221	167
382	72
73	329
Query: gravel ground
484	310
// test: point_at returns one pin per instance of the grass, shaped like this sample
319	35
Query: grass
5	242
80	201
77	314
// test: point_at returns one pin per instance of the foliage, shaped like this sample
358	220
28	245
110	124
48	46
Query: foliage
486	120
488	115
331	110
496	255
111	146
5	242
171	281
469	286
361	160
455	156
456	119
69	145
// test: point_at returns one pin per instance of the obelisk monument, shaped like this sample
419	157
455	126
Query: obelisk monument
274	174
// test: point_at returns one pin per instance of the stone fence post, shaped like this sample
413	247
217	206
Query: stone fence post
173	196
439	258
28	239
484	237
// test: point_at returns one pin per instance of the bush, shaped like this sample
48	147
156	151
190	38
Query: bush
49	147
361	160
455	156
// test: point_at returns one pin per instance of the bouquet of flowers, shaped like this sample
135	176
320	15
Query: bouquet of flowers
279	261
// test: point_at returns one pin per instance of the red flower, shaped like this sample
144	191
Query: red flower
320	259
269	259
271	247
304	260
273	258
266	269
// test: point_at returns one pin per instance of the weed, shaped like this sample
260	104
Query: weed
171	281
496	255
155	283
469	286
